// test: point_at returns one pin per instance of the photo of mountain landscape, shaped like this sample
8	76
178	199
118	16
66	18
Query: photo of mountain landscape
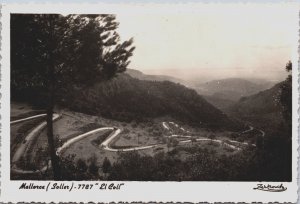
187	97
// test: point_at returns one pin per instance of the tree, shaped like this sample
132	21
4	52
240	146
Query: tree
259	142
169	144
106	166
81	166
193	139
51	54
93	167
175	142
286	143
286	97
212	136
138	136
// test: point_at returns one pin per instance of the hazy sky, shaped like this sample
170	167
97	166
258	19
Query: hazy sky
211	40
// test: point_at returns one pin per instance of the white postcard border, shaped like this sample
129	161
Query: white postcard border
133	191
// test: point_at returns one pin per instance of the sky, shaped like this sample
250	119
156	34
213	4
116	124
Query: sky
211	40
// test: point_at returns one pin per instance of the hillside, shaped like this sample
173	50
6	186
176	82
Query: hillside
125	98
262	108
219	102
231	88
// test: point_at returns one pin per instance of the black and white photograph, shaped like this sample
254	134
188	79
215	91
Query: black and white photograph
200	96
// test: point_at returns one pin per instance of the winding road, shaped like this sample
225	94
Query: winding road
213	140
28	140
106	144
82	136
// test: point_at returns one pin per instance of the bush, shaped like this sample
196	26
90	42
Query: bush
93	167
106	166
81	166
101	138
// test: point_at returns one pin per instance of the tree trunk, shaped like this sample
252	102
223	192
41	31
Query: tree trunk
51	145
51	101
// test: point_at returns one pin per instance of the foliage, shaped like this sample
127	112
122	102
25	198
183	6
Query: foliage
51	54
81	49
106	166
70	170
101	138
271	110
144	100
212	136
23	130
81	166
270	161
26	164
286	96
93	167
203	165
193	140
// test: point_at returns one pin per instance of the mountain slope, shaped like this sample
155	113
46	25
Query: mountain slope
262	108
219	102
231	88
126	98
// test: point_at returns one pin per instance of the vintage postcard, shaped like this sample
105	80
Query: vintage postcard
161	102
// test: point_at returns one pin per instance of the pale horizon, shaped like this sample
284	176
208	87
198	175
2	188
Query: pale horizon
246	41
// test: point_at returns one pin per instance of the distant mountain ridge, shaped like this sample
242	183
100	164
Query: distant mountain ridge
220	93
141	76
225	92
231	88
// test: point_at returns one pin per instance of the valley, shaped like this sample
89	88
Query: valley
167	118
85	136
